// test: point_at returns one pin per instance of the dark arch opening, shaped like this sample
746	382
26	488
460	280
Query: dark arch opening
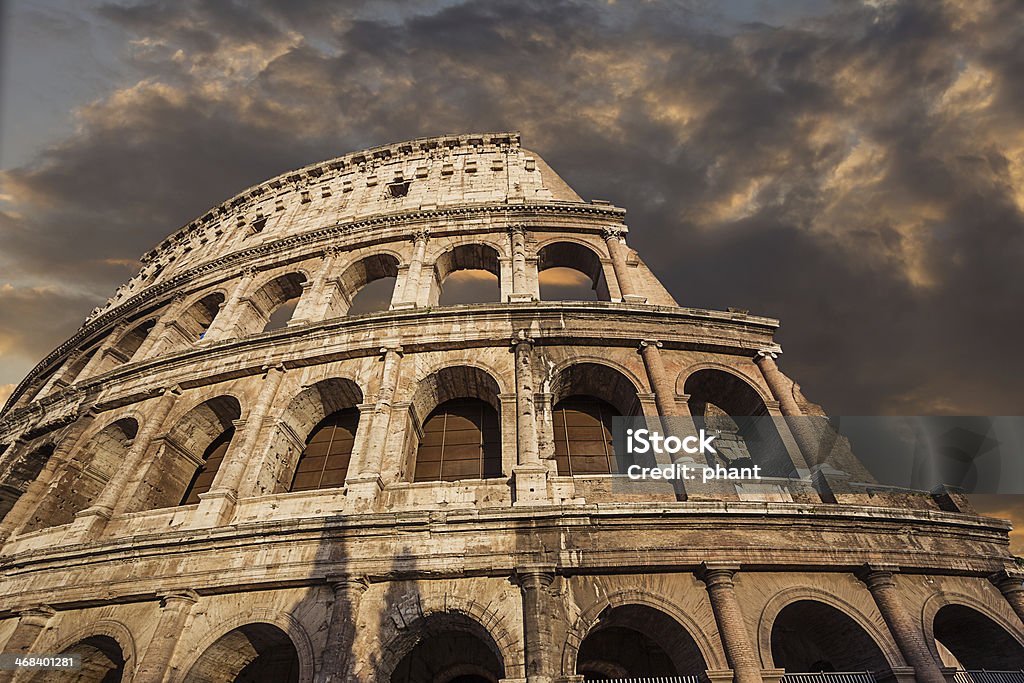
253	653
367	286
568	271
582	428
21	475
809	636
102	662
638	641
324	461
976	641
730	408
276	301
200	315
467	274
130	343
451	648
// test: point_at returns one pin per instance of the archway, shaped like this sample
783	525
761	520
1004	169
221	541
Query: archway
568	271
467	274
809	636
84	479
248	654
195	321
638	641
975	641
102	662
730	408
272	305
450	648
21	474
186	458
368	285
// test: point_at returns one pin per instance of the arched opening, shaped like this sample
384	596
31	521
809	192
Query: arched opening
587	397
22	473
102	662
972	641
734	412
188	456
130	343
81	483
467	274
638	641
450	648
320	424
249	654
325	459
460	438
195	321
810	637
273	304
568	271
72	373
367	286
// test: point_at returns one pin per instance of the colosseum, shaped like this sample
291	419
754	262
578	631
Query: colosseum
355	424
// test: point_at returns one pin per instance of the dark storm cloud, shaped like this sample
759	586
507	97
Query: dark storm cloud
856	173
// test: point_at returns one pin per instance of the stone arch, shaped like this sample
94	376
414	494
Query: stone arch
474	257
590	617
22	472
179	454
132	340
382	265
301	416
111	629
601	379
471	393
876	631
943	617
687	372
579	256
99	456
247	632
261	309
196	317
453	614
731	406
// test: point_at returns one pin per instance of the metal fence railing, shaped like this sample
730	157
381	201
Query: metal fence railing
834	677
985	676
649	679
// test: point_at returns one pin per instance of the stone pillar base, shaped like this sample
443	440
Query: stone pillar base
719	675
88	525
530	485
403	305
518	297
363	491
634	299
215	509
772	675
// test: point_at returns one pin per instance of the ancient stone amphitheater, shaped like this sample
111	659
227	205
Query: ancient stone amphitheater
354	424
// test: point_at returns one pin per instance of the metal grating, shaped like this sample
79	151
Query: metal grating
984	676
835	677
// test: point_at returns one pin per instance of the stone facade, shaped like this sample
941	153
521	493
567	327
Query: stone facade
533	575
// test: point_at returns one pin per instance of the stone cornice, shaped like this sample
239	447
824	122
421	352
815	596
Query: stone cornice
239	258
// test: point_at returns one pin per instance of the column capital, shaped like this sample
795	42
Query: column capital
179	599
348	584
771	352
644	343
534	577
248	271
396	348
39	613
715	574
172	390
876	576
331	251
614	232
521	337
1008	581
420	235
516	229
278	367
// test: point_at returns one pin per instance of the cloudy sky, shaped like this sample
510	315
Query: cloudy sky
853	168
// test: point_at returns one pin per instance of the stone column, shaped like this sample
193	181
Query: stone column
534	583
517	242
36	491
90	522
411	286
315	302
664	388
174	610
530	475
166	332
902	626
367	483
31	623
782	390
617	250
106	348
1011	585
341	630
218	504
739	651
